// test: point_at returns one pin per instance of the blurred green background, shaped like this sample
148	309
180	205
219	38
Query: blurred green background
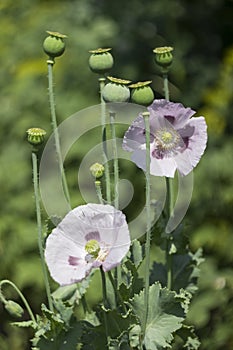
201	77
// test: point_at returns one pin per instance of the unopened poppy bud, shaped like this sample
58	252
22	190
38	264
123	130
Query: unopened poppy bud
97	170
142	93
101	60
163	56
54	44
116	90
14	309
35	136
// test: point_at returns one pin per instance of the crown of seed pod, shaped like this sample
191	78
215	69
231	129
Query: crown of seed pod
97	170
142	93
54	44
14	309
101	60
35	136
116	90
163	56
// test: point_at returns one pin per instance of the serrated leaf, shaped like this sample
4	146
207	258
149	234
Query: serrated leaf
64	292
24	324
137	253
191	342
158	274
165	316
185	272
74	292
65	310
65	341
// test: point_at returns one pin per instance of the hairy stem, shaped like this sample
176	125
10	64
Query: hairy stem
146	116
103	123
55	129
115	159
39	228
105	302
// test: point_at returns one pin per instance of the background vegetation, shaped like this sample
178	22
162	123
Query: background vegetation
201	77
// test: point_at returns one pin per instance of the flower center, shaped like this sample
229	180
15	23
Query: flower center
166	142
167	137
92	248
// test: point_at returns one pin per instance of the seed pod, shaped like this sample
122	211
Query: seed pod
54	44
142	93
116	90
163	56
101	60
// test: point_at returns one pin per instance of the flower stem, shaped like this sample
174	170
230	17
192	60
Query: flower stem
39	227
99	191
55	129
103	123
29	310
115	159
105	302
165	86
169	259
119	300
112	116
146	116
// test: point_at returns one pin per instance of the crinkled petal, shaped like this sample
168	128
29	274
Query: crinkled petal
176	113
135	135
163	167
196	145
115	256
65	259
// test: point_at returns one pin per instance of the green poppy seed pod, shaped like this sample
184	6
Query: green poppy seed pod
163	56
101	60
35	136
97	170
14	309
116	90
54	44
142	93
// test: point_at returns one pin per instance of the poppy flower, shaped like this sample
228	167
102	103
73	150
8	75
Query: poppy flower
88	237
177	141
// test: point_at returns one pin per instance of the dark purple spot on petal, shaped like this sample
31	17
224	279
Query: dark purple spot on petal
93	235
186	142
73	260
170	118
157	153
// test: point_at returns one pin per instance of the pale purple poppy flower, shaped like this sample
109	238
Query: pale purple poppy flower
89	236
177	141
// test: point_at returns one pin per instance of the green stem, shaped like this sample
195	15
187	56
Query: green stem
29	310
103	123
165	86
146	116
169	259
105	302
55	129
116	177
39	227
118	297
115	159
99	191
